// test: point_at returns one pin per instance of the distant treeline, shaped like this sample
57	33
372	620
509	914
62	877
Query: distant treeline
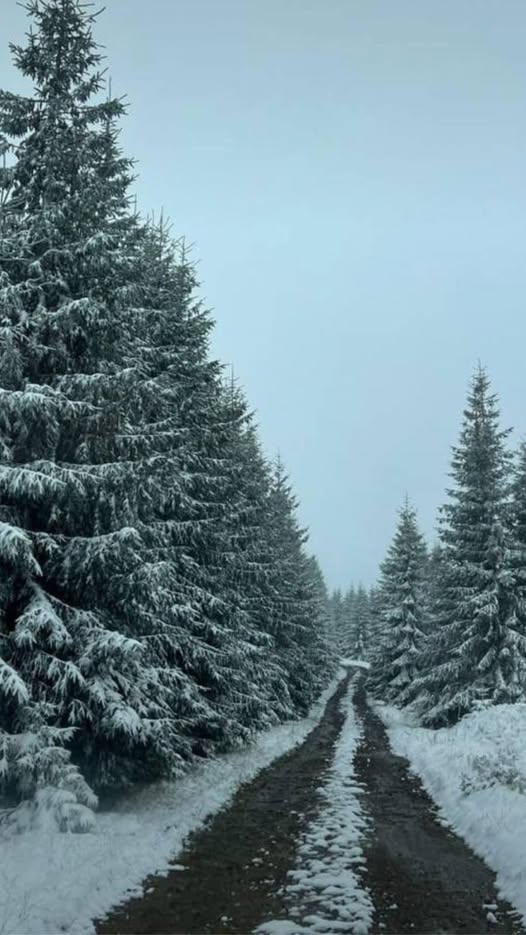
446	629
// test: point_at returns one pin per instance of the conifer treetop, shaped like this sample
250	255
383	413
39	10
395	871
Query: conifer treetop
64	136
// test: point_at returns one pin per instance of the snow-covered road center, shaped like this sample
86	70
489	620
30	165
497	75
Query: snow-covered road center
326	880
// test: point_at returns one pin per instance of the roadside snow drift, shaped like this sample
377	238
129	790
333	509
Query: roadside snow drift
51	882
476	773
326	881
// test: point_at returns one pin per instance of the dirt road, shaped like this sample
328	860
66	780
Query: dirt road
236	865
421	877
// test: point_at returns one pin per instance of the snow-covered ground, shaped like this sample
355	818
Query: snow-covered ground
476	774
354	663
326	877
51	882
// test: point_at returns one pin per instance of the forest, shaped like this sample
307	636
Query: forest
242	750
445	629
158	602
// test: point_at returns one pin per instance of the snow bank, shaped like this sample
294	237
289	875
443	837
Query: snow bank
326	879
476	773
52	882
355	663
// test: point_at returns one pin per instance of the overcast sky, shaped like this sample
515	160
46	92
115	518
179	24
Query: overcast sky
353	177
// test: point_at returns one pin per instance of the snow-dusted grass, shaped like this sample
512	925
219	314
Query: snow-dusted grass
52	882
326	878
476	773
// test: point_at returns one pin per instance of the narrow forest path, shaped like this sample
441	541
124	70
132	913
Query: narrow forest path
232	875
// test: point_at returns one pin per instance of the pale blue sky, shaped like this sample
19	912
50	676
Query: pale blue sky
353	177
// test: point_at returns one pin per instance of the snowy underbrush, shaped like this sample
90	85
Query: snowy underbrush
476	773
325	892
51	881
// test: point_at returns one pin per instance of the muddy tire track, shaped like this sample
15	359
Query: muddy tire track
422	877
237	864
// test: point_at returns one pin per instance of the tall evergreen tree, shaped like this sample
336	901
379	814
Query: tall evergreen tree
244	566
300	631
402	607
321	622
476	650
348	623
361	623
518	554
337	621
183	438
351	616
432	579
156	597
376	623
64	275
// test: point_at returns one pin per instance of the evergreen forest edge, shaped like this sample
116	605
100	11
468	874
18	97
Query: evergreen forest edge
158	603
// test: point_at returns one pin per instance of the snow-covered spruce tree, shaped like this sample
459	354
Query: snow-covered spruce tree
347	629
121	466
476	651
252	691
519	518
361	623
276	590
376	623
323	613
351	621
67	502
336	610
249	572
297	620
177	602
402	605
348	623
37	778
518	555
216	534
519	500
432	586
240	554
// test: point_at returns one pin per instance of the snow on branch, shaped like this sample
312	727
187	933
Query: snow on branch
16	549
40	619
30	484
12	685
